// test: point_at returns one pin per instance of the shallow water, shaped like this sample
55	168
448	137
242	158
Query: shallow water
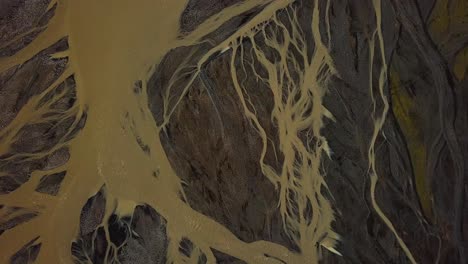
108	136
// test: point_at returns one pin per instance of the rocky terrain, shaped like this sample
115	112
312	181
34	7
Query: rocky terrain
294	132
